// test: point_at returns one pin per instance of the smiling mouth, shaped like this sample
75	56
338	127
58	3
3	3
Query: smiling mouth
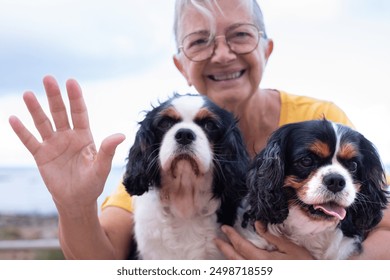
226	77
327	210
331	209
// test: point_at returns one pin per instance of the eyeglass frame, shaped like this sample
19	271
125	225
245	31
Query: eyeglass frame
261	34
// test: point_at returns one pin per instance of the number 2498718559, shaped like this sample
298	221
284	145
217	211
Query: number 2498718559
238	270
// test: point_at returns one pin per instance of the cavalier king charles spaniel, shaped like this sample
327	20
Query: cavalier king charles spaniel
186	172
320	184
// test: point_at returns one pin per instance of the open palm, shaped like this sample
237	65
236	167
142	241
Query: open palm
73	170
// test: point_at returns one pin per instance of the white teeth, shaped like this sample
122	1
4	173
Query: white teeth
227	76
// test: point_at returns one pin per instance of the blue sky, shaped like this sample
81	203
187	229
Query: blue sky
89	40
121	53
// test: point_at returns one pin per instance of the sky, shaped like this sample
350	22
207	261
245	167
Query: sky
121	53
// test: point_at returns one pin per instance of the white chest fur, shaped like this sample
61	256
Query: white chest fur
322	240
160	235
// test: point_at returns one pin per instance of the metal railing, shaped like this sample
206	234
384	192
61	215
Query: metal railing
31	244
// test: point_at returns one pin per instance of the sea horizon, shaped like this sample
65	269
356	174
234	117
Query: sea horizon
23	192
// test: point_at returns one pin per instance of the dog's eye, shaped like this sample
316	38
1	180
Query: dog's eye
166	123
306	162
352	166
209	125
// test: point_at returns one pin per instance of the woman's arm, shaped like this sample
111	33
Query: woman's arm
377	245
73	170
109	237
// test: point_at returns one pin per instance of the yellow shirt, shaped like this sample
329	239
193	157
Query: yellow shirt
294	108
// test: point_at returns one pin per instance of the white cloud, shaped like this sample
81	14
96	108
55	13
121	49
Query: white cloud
92	28
88	40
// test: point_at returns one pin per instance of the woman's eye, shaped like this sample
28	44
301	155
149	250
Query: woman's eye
199	42
240	35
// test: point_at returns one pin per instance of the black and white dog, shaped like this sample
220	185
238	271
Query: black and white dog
320	184
186	172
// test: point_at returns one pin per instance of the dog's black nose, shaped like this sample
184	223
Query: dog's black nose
334	182
185	136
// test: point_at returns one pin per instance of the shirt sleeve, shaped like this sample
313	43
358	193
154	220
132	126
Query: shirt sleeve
119	198
295	108
333	113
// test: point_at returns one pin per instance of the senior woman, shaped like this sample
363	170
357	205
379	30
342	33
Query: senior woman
223	50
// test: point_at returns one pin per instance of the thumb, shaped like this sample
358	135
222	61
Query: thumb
107	151
261	230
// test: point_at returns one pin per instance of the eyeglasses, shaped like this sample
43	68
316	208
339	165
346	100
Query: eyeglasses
241	39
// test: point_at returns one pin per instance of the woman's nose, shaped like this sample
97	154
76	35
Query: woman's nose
222	51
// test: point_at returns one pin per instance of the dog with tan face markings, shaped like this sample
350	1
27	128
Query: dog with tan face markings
320	184
186	172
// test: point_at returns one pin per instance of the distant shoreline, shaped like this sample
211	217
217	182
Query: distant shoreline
28	226
21	228
22	191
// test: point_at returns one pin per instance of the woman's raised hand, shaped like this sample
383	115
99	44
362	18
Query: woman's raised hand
73	170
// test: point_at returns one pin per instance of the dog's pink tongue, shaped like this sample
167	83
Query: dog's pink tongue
332	209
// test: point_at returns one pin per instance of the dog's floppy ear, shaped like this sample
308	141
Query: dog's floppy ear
142	170
372	198
265	179
231	160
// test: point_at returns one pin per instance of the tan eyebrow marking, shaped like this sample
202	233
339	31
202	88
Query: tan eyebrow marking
205	113
171	112
348	151
320	148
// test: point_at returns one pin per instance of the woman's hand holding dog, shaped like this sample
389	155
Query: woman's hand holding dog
239	248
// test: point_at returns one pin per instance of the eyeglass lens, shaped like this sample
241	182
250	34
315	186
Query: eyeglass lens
241	39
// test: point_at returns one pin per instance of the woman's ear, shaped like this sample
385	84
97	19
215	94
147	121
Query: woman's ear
269	47
179	65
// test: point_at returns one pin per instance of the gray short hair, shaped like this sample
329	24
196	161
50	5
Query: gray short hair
207	7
